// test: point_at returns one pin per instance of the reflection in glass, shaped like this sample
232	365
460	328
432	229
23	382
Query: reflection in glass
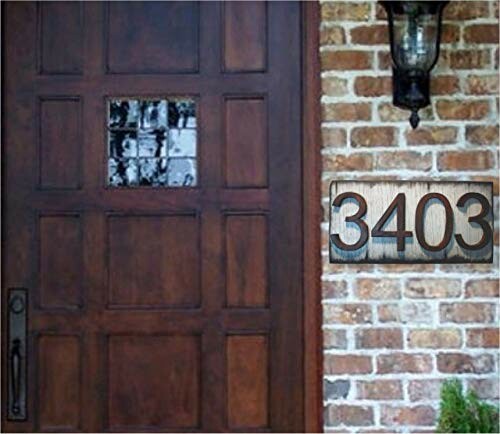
122	172
152	142
182	142
153	171
123	113
182	172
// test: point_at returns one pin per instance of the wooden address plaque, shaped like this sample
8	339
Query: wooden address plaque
414	222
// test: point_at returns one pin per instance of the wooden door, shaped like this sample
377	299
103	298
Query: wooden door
153	214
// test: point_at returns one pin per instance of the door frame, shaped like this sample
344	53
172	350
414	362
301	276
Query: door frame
311	202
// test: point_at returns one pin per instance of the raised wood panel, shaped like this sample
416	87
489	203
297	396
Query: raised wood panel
246	142
245	28
60	143
247	381
154	382
246	260
61	261
154	261
59	382
61	37
152	37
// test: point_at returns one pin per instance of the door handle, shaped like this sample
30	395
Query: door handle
15	366
17	353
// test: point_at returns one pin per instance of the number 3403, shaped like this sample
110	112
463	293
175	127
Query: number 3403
398	206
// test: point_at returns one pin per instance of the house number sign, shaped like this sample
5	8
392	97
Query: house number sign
394	222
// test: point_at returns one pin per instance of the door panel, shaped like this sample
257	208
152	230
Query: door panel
155	306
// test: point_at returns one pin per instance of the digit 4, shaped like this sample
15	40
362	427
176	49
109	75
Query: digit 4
398	204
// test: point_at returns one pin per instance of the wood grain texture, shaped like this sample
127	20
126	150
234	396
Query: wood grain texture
246	144
154	290
246	260
61	262
141	35
60	147
154	261
245	30
247	382
59	382
433	234
61	37
167	367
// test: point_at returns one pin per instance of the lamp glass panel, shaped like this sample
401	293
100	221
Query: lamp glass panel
415	39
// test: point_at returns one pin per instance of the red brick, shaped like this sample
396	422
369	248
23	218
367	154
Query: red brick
485	388
373	86
465	312
474	160
432	135
422	390
384	60
389	312
397	363
332	36
370	35
445	85
458	363
373	136
347	112
349	364
334	86
379	338
345	60
418	415
435	338
466	59
482	134
482	288
406	268
432	288
377	289
333	137
380	12
450	33
339	163
354	313
351	415
462	110
337	289
345	11
483	338
468	10
481	33
336	339
387	112
482	84
380	389
404	160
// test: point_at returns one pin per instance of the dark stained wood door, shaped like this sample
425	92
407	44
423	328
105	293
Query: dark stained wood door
168	300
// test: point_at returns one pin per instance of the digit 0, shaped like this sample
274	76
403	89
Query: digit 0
419	222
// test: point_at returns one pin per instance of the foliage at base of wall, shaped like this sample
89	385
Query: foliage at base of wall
461	413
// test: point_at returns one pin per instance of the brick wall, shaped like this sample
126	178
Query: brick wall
392	333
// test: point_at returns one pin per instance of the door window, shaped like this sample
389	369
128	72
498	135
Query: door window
152	142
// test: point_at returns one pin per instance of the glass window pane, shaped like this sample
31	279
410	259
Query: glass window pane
152	142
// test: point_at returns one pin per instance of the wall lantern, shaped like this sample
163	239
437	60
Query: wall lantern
414	34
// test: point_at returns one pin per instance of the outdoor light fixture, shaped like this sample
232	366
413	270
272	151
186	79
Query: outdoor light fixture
414	34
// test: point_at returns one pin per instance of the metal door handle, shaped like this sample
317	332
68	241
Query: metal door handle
15	366
17	354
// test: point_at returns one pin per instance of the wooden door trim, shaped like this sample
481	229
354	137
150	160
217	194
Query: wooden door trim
311	188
